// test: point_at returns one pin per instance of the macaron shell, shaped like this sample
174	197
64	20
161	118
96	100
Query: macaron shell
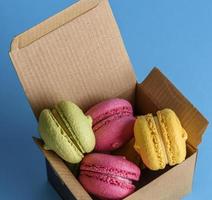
78	123
174	136
105	187
105	109
56	139
148	144
114	133
111	165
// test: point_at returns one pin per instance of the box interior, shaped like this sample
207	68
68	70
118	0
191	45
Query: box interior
147	175
145	104
142	100
79	55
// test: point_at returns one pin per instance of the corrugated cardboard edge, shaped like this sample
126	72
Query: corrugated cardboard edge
63	172
157	92
53	23
179	179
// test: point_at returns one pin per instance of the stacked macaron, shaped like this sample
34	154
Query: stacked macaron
110	127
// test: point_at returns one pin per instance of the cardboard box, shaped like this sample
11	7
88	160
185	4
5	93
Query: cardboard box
79	55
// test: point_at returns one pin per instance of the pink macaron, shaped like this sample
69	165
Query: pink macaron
113	123
108	176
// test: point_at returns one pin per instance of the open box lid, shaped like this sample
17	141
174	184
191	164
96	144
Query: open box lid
76	55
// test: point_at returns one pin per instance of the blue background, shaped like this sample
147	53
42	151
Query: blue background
174	35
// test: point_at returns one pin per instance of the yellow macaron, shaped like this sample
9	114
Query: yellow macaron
160	140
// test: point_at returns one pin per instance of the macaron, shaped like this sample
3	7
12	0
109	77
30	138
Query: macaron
67	131
108	176
160	140
113	123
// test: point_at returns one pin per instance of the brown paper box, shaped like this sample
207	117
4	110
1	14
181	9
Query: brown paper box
79	55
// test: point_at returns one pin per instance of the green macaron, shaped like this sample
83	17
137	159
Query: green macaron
67	131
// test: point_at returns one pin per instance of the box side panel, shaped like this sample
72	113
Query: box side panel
57	184
84	61
157	92
64	175
173	184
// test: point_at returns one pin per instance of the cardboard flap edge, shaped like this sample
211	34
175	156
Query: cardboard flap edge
52	23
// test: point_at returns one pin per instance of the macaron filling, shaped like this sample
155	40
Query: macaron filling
110	171
155	139
64	134
166	139
161	140
114	180
60	118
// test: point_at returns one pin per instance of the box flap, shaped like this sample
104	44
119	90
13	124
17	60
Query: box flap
75	55
157	92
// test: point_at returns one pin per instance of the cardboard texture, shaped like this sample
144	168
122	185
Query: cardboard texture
178	178
79	55
74	60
